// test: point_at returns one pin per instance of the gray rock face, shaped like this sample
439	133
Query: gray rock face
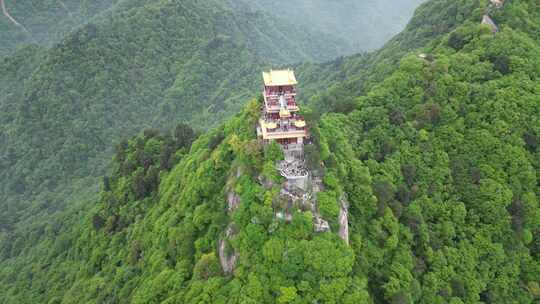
233	201
300	192
343	220
284	216
266	183
227	260
486	19
320	224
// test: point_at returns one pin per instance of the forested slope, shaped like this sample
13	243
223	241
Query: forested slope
148	63
450	141
152	236
44	22
438	158
356	25
352	76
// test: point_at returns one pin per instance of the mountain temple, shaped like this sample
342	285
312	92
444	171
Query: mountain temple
280	120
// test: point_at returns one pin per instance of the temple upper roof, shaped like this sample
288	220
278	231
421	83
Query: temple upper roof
279	78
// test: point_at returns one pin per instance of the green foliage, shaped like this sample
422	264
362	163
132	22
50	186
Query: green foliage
273	152
287	295
45	22
438	163
137	64
154	240
328	205
446	155
207	267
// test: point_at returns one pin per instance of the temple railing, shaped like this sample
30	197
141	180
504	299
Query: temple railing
281	133
275	107
277	94
293	147
285	134
292	120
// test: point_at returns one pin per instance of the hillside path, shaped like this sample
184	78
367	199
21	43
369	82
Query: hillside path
6	13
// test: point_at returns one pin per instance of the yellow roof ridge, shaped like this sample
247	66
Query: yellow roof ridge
279	77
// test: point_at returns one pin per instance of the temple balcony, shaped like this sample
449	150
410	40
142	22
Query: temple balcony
294	121
276	109
273	106
293	147
272	130
276	94
283	134
275	98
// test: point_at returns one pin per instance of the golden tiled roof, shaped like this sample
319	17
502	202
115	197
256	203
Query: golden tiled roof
279	78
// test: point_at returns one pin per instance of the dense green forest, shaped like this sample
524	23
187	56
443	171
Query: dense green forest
44	22
357	25
86	74
433	140
147	64
332	86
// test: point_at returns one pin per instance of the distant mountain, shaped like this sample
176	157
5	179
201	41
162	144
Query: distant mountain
141	64
430	148
358	25
365	25
355	75
44	22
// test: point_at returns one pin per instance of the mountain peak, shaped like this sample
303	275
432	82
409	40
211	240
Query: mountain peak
405	175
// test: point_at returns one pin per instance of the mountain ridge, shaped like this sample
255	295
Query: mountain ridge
110	78
437	156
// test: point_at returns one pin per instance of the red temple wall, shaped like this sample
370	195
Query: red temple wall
275	89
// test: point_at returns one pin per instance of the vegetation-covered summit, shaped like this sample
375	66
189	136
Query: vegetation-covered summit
438	157
145	64
152	236
450	140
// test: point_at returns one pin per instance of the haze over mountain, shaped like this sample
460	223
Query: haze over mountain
44	22
365	24
430	148
356	25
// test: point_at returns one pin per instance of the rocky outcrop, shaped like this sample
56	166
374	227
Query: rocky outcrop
343	220
233	201
227	256
493	6
265	182
284	216
300	192
320	224
317	184
486	20
497	3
